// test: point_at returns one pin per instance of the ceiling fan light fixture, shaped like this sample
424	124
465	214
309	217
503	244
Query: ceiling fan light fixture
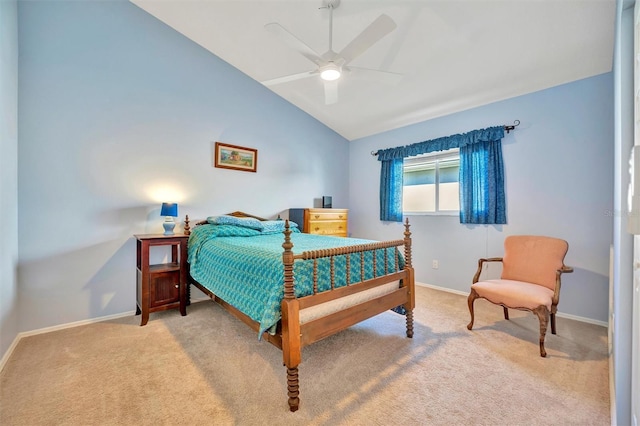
330	72
329	66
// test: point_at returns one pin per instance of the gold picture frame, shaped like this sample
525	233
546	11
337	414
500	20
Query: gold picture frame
235	157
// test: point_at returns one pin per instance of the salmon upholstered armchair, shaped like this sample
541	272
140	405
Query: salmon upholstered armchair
530	280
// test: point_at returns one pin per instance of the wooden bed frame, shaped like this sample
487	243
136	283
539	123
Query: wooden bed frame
291	336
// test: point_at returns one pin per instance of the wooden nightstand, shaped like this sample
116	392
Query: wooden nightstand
161	286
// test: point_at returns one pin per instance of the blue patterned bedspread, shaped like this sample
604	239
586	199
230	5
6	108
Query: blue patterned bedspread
244	267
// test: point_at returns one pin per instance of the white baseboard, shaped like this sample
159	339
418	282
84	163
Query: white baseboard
20	335
559	314
448	290
582	319
75	324
9	351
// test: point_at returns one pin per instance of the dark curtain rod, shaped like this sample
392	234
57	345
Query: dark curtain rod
507	128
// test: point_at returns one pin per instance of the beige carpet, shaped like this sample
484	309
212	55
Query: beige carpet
209	368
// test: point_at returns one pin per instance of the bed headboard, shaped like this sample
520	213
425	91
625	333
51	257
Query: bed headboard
243	214
235	214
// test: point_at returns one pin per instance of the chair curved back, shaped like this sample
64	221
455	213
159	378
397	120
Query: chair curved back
533	259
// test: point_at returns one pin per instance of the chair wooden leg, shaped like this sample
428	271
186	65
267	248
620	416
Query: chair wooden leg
553	323
472	297
506	312
543	315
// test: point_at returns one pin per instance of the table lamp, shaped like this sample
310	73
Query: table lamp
169	211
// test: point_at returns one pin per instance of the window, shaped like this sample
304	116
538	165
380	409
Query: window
431	183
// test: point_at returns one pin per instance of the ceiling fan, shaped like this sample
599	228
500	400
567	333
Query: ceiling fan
331	66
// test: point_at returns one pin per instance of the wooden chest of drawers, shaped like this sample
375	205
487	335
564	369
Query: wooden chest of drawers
321	221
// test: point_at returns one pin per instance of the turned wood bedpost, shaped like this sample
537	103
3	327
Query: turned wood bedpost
187	228
410	278
290	323
287	261
407	243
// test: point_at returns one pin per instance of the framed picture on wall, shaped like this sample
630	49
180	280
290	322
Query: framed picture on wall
235	157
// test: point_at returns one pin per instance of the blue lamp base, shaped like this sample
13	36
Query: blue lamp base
168	226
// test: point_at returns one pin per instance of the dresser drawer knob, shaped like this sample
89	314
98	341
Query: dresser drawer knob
317	216
177	285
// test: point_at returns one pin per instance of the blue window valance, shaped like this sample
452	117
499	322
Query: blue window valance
443	144
482	197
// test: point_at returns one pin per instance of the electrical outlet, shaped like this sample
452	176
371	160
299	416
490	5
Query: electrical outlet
435	264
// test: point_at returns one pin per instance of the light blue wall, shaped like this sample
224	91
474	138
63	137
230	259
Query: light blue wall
8	173
115	107
559	180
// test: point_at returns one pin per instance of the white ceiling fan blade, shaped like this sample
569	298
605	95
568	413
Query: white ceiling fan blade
330	92
379	28
294	42
288	78
376	75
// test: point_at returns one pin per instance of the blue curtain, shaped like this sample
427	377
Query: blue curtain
482	198
391	190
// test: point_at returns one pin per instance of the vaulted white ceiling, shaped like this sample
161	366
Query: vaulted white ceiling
453	54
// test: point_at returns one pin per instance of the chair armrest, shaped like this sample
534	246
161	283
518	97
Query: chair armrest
476	277
556	294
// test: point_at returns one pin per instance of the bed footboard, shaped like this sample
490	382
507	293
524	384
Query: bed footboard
295	335
306	320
